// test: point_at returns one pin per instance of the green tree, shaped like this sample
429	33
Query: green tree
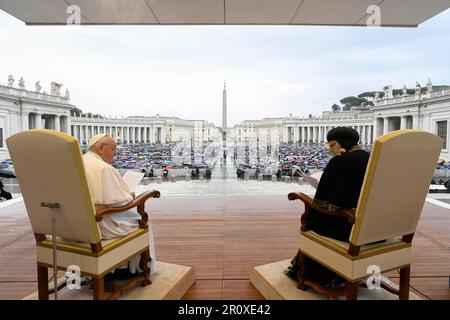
349	102
74	111
336	108
367	94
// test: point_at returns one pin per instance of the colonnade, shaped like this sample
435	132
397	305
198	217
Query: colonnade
318	133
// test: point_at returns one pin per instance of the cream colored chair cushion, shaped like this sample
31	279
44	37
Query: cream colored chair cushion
396	182
49	168
115	252
389	255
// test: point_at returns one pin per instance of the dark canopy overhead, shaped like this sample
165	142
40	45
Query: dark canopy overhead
399	13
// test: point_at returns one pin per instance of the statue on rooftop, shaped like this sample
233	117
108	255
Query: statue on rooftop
418	89
10	81
388	92
67	95
21	84
429	86
38	87
404	91
55	89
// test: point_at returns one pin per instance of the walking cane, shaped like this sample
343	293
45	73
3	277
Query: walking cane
53	207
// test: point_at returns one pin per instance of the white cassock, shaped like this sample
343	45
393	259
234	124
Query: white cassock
108	188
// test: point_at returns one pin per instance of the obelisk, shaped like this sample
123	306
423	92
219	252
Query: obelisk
224	118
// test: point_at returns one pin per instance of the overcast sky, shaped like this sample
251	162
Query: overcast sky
179	70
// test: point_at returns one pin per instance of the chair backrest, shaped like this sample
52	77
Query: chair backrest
49	168
396	182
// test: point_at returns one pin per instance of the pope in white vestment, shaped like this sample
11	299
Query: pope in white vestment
109	189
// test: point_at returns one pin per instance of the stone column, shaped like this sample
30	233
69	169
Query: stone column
364	138
25	121
38	121
415	122
386	125
403	123
57	123
163	134
65	124
375	128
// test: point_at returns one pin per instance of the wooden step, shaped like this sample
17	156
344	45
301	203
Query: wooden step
171	282
273	284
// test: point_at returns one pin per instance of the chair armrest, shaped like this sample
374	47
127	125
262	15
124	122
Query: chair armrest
308	201
138	202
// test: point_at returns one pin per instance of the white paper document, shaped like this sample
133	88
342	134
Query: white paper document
313	179
132	179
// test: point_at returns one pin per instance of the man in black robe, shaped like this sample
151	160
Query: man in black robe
339	188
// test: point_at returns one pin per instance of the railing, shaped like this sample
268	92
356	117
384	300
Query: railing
32	95
356	118
82	120
411	98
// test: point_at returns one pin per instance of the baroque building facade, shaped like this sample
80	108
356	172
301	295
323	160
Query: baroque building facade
427	110
22	109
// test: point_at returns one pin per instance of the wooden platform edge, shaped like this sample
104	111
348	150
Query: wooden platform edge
182	286
268	291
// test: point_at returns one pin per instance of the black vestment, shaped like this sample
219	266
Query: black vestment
339	187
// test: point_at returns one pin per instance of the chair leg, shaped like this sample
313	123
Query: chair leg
98	285
42	273
404	283
143	264
301	271
352	290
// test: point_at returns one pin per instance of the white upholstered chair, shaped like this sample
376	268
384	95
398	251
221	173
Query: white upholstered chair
396	182
50	170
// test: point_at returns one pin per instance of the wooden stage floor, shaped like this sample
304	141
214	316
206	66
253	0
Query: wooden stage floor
221	236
